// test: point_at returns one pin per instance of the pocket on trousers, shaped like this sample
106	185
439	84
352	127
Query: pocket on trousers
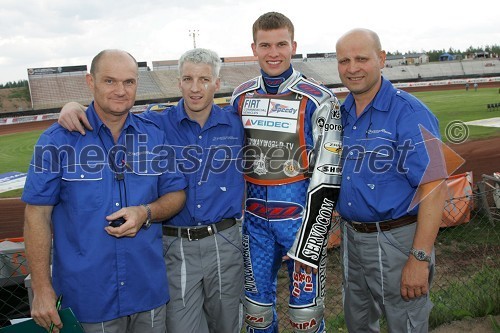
419	316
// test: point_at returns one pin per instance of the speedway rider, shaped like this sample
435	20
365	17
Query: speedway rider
292	168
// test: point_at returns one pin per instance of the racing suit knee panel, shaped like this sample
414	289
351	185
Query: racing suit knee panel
307	320
258	316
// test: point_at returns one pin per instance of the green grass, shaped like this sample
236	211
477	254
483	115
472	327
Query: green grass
450	105
16	151
478	296
15	155
21	93
474	296
495	325
11	194
477	232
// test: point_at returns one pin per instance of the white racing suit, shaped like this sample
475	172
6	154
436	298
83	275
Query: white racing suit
292	168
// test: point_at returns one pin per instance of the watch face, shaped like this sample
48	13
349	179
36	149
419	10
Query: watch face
420	255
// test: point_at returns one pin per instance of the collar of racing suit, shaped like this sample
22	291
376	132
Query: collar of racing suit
272	83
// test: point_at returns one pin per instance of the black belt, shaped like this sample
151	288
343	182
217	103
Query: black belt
369	227
196	233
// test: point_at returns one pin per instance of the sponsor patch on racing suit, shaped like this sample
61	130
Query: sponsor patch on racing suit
292	165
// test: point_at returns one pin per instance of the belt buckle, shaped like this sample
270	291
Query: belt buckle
385	226
356	225
209	229
188	230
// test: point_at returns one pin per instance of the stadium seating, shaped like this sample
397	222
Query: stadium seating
149	86
481	67
233	74
320	69
54	90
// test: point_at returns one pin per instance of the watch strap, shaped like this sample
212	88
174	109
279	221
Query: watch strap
147	223
420	255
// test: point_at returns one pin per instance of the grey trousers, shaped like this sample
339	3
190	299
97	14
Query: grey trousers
206	283
372	266
148	322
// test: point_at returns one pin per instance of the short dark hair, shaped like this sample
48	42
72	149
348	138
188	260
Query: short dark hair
272	21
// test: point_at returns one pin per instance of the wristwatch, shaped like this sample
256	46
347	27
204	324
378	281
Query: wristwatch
147	223
420	255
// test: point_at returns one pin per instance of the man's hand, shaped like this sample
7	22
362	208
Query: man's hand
308	269
414	279
134	219
43	309
74	118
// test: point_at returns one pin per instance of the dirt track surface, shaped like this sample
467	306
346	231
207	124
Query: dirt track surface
469	325
25	127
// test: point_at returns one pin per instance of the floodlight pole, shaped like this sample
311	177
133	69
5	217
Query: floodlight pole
194	33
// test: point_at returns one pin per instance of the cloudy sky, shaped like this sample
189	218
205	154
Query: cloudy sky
47	33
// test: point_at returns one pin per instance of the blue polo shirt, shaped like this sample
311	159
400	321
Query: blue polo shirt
210	158
102	277
384	155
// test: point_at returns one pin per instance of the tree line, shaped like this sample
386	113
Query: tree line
434	54
13	84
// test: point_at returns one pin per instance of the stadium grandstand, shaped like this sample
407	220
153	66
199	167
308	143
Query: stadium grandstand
51	87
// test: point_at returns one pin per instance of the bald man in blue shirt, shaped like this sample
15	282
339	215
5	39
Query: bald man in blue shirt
203	249
392	195
111	275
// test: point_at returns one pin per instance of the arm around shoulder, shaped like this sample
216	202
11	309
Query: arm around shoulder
74	118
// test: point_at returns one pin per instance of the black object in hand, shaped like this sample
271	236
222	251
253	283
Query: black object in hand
118	222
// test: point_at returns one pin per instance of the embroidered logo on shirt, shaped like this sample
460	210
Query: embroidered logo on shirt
383	130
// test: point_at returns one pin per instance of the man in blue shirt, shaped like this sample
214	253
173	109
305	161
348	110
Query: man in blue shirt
112	275
202	243
392	194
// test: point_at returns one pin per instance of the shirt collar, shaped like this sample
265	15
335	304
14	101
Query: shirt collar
381	102
273	83
97	123
217	115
